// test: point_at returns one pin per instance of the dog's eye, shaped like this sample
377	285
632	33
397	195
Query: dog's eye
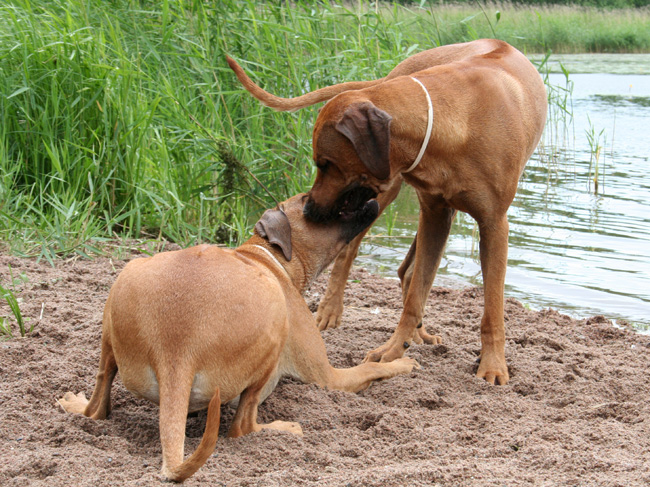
323	165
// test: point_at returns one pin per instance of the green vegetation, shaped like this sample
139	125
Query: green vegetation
560	28
610	4
121	120
595	151
8	295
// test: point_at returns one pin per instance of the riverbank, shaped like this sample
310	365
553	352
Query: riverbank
574	413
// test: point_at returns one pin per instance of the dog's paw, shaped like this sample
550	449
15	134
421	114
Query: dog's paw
421	336
328	315
288	426
405	364
493	370
390	351
73	403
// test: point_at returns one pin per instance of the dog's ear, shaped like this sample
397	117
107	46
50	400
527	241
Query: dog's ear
368	128
274	226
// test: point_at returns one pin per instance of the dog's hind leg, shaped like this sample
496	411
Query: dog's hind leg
405	274
433	231
245	420
405	270
99	405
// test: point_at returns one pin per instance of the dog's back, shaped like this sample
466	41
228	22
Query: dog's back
445	55
418	62
186	308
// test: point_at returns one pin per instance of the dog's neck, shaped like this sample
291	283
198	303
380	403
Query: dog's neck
293	270
273	258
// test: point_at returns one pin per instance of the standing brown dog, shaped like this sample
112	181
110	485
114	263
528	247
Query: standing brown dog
458	123
194	328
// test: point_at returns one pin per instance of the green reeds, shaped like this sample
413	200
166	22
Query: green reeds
121	119
596	165
535	28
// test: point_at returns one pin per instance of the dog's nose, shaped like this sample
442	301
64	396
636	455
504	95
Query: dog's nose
308	207
313	212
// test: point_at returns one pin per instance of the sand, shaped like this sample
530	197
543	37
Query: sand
576	411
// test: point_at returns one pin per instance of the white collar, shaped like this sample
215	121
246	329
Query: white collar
276	261
429	127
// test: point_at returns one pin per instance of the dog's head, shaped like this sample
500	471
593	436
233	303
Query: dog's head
315	243
351	149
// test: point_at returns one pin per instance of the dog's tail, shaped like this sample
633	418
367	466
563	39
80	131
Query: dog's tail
302	101
173	416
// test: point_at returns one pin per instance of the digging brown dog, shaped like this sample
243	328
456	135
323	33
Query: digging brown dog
458	123
195	328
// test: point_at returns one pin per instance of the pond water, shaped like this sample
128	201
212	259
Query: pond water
573	247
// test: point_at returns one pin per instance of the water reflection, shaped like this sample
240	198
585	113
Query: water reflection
570	248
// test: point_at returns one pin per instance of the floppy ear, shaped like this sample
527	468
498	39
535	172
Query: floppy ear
274	226
368	128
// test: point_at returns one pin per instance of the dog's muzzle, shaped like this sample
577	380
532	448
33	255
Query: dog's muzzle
361	219
347	206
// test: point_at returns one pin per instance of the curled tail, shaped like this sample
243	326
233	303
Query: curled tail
173	415
302	101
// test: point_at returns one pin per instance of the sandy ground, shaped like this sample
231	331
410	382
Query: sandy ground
576	412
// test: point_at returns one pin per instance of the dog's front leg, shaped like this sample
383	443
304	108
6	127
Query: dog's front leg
305	358
358	378
494	259
330	307
433	231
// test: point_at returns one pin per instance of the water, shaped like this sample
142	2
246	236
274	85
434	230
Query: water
571	248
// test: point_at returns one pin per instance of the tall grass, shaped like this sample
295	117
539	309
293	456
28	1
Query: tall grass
121	118
537	28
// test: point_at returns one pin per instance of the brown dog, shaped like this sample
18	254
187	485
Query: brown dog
194	328
458	123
